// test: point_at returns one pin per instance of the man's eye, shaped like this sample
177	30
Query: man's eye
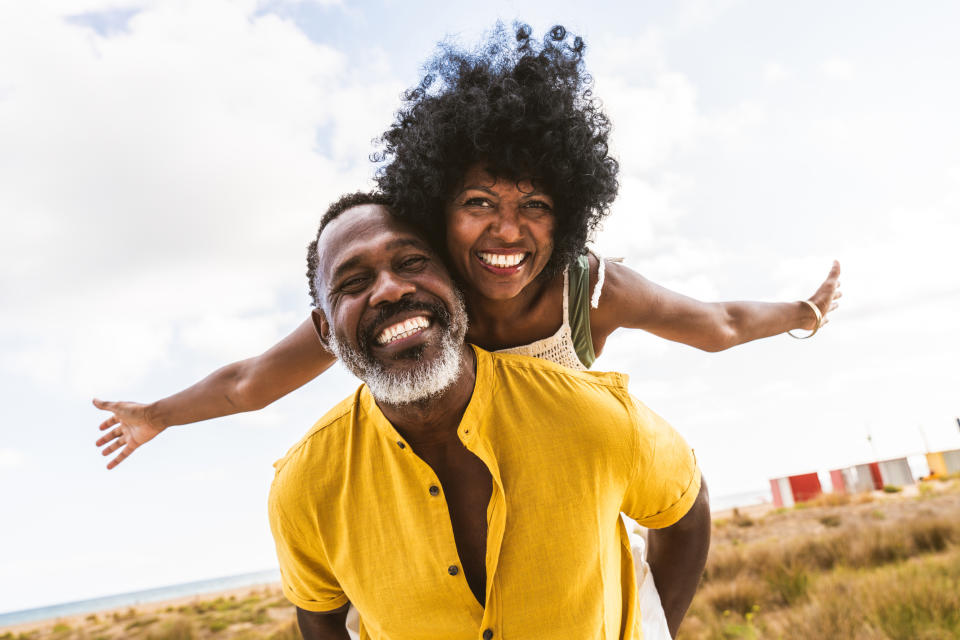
413	262
353	285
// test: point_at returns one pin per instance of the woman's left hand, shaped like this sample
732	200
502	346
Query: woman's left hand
826	297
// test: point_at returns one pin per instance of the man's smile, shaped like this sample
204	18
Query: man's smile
400	325
403	329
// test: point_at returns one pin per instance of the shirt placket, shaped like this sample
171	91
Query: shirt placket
449	559
490	624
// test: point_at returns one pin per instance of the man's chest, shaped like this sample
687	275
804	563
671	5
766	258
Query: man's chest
444	533
465	484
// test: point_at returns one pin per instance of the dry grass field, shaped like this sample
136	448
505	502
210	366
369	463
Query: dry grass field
243	614
871	567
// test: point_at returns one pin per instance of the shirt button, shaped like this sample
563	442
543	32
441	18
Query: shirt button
487	634
434	490
453	570
401	445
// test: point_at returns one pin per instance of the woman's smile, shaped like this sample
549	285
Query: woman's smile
503	261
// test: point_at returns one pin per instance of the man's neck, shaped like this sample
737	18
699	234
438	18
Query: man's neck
436	419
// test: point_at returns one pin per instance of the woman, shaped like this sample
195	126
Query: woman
501	158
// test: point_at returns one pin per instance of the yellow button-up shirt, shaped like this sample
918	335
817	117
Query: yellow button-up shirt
358	517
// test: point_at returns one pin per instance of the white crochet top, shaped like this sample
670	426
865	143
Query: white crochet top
559	347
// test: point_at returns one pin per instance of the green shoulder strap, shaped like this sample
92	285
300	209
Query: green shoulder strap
579	309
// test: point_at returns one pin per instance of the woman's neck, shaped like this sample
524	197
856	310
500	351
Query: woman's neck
533	314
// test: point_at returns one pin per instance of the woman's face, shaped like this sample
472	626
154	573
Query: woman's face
499	233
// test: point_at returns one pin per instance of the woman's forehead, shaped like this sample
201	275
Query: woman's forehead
483	175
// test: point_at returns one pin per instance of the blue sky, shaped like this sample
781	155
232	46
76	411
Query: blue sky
164	165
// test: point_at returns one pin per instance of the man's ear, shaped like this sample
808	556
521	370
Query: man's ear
322	326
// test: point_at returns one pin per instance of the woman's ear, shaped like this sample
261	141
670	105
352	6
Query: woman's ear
322	326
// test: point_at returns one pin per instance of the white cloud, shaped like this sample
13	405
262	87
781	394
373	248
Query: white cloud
11	458
774	71
164	177
838	68
266	4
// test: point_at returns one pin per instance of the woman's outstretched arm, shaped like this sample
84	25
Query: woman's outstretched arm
246	385
630	300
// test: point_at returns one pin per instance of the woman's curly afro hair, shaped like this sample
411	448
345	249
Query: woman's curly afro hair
523	108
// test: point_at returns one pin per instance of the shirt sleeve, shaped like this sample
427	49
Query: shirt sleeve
666	479
307	578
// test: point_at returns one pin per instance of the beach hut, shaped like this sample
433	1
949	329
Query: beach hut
943	463
872	476
856	479
790	490
895	473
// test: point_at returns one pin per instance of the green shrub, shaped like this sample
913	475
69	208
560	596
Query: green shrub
790	584
176	629
142	622
218	625
830	520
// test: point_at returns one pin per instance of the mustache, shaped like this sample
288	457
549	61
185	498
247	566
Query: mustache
368	332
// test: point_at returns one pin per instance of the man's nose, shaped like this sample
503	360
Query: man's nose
506	226
389	287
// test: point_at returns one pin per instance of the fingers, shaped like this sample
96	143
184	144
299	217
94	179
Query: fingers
120	457
834	306
837	294
834	270
113	447
116	433
109	422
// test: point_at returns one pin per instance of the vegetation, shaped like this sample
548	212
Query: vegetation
259	614
840	567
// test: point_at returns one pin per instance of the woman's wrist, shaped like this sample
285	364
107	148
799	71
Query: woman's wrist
806	318
153	414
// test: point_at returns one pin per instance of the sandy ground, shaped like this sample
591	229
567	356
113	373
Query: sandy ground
84	622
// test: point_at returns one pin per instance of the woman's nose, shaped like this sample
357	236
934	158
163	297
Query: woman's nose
506	226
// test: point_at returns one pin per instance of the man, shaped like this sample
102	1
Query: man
463	494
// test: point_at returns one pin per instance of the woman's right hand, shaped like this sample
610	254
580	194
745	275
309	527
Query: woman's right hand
131	427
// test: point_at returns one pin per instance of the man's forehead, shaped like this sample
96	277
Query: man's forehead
360	230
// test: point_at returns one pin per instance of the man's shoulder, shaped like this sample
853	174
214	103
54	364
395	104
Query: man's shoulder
323	434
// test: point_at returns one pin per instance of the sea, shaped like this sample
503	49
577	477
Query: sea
132	598
740	499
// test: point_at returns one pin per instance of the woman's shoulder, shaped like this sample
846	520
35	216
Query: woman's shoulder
617	292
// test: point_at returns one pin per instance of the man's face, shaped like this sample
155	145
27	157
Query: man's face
390	310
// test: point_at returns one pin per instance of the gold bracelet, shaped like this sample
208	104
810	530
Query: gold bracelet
816	312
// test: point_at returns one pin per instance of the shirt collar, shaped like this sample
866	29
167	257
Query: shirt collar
473	417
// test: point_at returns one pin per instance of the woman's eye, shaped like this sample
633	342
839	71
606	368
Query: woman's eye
537	207
478	202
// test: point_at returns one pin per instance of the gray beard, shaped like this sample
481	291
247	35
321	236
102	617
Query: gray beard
422	382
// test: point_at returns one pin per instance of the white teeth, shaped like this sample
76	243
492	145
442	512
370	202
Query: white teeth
502	259
402	329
